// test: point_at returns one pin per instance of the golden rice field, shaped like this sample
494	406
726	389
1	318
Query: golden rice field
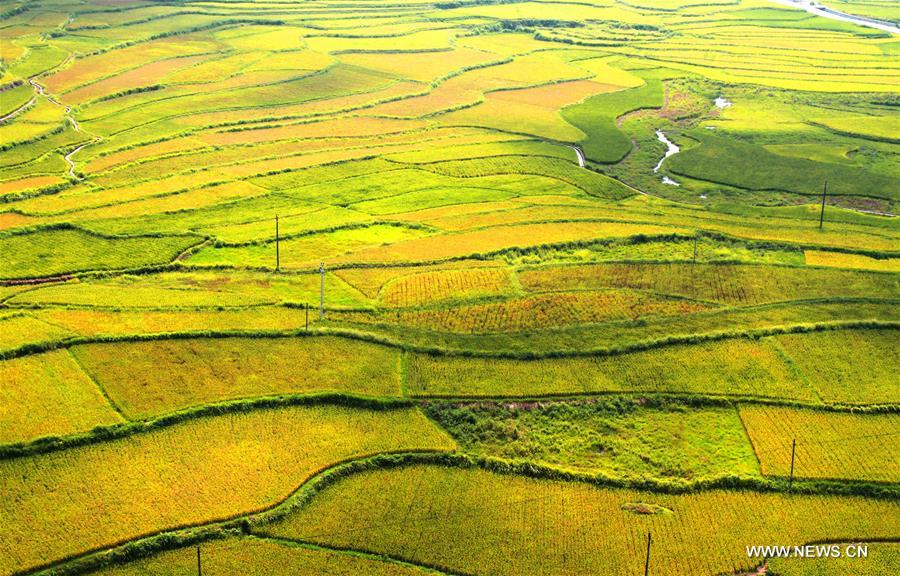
145	379
512	525
448	287
823	447
69	502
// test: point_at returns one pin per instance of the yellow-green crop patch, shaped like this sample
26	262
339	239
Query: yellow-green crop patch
774	367
67	503
37	254
150	378
828	445
49	395
255	555
623	241
511	525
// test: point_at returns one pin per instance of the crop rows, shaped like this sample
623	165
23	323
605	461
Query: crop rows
827	445
511	525
722	283
538	312
65	503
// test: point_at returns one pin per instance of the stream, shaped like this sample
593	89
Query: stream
826	12
671	148
39	90
579	154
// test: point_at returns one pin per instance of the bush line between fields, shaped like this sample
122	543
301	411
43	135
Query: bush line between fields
648	399
799	328
175	264
245	524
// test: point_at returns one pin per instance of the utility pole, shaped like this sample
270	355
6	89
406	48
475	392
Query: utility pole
277	247
793	450
647	561
822	214
199	571
322	291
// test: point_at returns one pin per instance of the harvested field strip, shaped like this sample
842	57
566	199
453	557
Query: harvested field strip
66	503
829	445
511	525
152	378
730	284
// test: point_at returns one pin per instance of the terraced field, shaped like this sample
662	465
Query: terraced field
464	287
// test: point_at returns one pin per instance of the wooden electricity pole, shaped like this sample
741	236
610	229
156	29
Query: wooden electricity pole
277	247
322	291
647	561
791	479
199	571
822	214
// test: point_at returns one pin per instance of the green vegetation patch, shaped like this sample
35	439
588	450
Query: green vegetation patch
735	163
613	437
597	117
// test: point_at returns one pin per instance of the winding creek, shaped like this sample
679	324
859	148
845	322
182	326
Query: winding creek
39	91
824	11
671	149
579	154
